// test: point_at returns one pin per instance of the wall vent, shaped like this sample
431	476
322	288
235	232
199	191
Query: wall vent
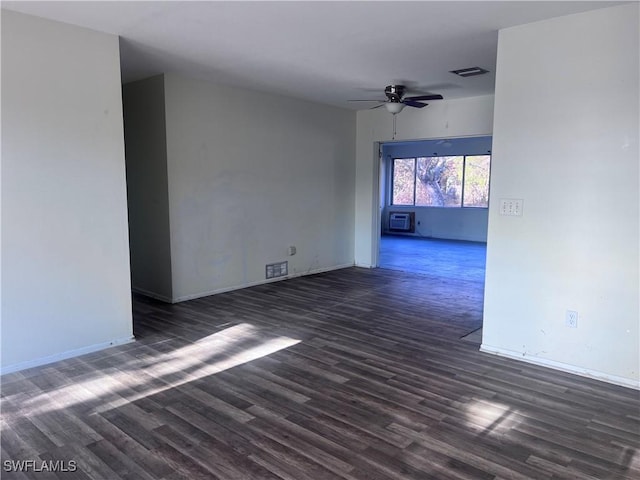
469	72
273	270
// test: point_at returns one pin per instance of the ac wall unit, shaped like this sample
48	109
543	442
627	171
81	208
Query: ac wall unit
400	222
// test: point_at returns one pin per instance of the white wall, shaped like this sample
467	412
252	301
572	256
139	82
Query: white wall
468	224
65	260
566	141
465	224
249	175
148	187
441	119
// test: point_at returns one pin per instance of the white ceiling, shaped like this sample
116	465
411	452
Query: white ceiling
327	52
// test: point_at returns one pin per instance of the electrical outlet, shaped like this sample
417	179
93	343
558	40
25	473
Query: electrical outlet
571	319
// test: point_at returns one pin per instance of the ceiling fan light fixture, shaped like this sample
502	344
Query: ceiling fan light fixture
394	107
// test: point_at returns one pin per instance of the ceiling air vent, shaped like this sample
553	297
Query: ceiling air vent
470	72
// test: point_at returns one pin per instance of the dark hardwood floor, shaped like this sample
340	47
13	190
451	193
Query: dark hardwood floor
441	259
353	374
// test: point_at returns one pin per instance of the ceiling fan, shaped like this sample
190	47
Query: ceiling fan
396	100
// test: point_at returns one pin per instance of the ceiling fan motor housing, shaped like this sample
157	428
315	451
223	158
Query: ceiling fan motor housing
394	92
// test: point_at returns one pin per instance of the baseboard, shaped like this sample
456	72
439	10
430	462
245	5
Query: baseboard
435	237
150	294
185	298
583	372
64	355
321	270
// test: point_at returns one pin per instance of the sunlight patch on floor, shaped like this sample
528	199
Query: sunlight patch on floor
113	387
486	416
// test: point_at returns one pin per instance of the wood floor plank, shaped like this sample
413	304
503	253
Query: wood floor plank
369	381
126	444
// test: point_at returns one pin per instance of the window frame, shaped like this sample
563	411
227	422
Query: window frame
415	174
392	177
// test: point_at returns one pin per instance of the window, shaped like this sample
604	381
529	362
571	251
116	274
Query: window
404	170
476	181
456	181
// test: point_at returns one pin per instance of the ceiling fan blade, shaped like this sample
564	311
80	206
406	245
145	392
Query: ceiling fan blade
378	106
425	97
370	100
411	103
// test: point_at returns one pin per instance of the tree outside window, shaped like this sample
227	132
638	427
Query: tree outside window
476	181
454	181
403	181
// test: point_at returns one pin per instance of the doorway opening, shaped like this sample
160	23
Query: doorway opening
434	214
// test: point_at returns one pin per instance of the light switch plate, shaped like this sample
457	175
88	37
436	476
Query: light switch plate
511	206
